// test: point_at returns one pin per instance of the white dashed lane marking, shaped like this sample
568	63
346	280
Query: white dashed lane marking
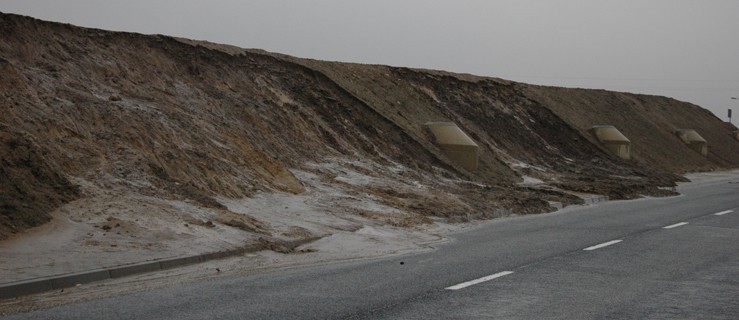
675	225
479	280
723	212
604	244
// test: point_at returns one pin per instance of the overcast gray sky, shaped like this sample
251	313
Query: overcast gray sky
686	49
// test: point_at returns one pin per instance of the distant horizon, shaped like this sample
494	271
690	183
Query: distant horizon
674	48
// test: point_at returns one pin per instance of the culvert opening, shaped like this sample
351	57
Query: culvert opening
613	140
693	140
456	144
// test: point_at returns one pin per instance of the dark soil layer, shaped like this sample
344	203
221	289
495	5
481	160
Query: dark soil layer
30	188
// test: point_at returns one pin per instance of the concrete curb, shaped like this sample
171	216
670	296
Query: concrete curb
38	285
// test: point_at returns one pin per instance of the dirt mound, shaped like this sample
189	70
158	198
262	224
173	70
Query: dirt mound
131	116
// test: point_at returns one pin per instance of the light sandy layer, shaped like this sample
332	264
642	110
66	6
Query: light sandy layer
108	231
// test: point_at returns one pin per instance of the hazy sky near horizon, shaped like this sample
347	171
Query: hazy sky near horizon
685	49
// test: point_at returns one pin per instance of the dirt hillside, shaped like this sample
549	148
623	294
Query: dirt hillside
93	119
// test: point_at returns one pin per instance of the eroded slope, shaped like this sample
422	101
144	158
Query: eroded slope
145	133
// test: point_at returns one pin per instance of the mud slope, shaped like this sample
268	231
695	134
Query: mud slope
130	121
649	122
515	131
155	117
516	128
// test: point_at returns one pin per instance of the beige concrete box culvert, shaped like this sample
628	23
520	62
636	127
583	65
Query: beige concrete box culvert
456	144
694	140
613	140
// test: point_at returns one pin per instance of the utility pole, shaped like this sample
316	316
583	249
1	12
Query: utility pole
732	98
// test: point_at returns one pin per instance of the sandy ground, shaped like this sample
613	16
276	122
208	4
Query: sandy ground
343	239
107	228
82	237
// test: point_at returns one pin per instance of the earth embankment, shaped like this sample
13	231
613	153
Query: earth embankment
126	121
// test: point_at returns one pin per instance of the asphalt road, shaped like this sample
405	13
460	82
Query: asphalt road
532	267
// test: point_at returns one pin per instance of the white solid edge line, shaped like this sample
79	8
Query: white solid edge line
604	244
675	225
479	280
723	212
